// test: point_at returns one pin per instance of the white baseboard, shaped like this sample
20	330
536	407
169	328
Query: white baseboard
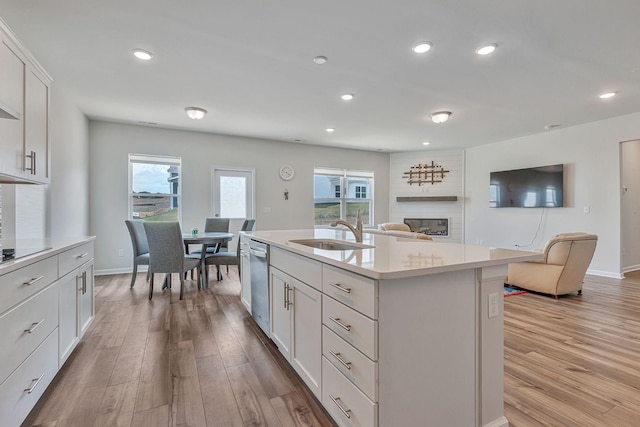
108	271
500	422
609	274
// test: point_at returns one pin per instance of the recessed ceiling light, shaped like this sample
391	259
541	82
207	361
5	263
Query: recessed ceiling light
330	130
486	49
426	142
142	54
347	97
195	113
608	95
320	60
422	47
440	116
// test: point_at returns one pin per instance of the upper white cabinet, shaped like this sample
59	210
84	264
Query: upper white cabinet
24	114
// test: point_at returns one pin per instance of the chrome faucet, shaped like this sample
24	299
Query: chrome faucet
357	230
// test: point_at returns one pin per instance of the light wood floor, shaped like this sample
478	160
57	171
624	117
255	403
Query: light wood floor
197	362
574	361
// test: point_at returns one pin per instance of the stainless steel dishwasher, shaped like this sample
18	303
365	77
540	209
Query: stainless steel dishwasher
259	261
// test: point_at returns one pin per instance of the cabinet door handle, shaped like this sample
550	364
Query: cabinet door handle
82	255
32	156
284	296
84	282
340	288
336	400
337	321
338	356
34	326
34	385
32	281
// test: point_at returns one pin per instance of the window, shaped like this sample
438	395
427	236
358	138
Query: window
339	193
154	187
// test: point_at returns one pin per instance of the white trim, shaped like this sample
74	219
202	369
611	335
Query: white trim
610	274
126	270
500	422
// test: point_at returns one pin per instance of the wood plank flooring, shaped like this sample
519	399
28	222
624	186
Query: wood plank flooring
165	362
574	361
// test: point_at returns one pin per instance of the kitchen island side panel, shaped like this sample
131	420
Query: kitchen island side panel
428	353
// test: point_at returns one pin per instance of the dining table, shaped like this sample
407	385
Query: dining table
206	239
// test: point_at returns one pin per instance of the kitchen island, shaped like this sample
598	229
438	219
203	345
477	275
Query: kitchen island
396	332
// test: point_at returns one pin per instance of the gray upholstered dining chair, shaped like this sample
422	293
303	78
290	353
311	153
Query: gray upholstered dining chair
140	246
226	257
166	252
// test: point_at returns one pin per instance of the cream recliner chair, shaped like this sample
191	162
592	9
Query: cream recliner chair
566	259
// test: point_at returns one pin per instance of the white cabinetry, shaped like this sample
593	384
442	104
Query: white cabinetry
245	272
296	314
35	307
76	297
24	113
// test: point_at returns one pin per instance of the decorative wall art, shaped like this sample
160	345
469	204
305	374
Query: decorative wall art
425	173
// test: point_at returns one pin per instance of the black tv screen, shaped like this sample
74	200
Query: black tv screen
539	187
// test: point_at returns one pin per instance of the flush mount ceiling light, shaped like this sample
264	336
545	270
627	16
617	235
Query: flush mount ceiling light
195	113
608	95
347	97
320	60
440	116
142	54
330	130
486	49
422	47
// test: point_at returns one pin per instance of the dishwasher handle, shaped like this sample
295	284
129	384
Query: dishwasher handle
258	253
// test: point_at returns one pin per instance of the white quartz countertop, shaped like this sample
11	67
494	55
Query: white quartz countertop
393	257
45	249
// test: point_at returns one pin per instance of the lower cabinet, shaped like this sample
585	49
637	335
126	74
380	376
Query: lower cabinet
296	326
76	308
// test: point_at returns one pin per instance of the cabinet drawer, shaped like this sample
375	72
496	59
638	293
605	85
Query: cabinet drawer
356	329
304	269
347	405
358	292
39	315
74	258
23	388
22	283
357	367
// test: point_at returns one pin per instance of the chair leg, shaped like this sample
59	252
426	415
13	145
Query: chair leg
148	275
133	275
181	287
151	287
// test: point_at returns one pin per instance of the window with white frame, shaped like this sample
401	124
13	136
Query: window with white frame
155	187
340	193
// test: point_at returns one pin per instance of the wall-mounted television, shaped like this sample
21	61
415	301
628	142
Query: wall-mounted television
538	187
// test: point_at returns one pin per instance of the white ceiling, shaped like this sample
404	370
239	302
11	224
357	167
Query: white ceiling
249	63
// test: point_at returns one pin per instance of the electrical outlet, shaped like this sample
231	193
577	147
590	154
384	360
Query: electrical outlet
494	304
120	252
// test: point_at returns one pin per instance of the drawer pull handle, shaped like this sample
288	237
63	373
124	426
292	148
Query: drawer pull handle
34	326
82	255
339	323
34	385
336	400
341	360
340	288
34	280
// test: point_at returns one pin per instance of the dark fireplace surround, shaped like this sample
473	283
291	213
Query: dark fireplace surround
429	226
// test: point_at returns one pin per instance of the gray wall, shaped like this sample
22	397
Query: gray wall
111	143
591	155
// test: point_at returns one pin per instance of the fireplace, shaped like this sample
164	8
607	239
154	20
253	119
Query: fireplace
429	226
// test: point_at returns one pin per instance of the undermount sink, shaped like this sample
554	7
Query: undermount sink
331	245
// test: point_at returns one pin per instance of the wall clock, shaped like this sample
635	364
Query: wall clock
286	172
